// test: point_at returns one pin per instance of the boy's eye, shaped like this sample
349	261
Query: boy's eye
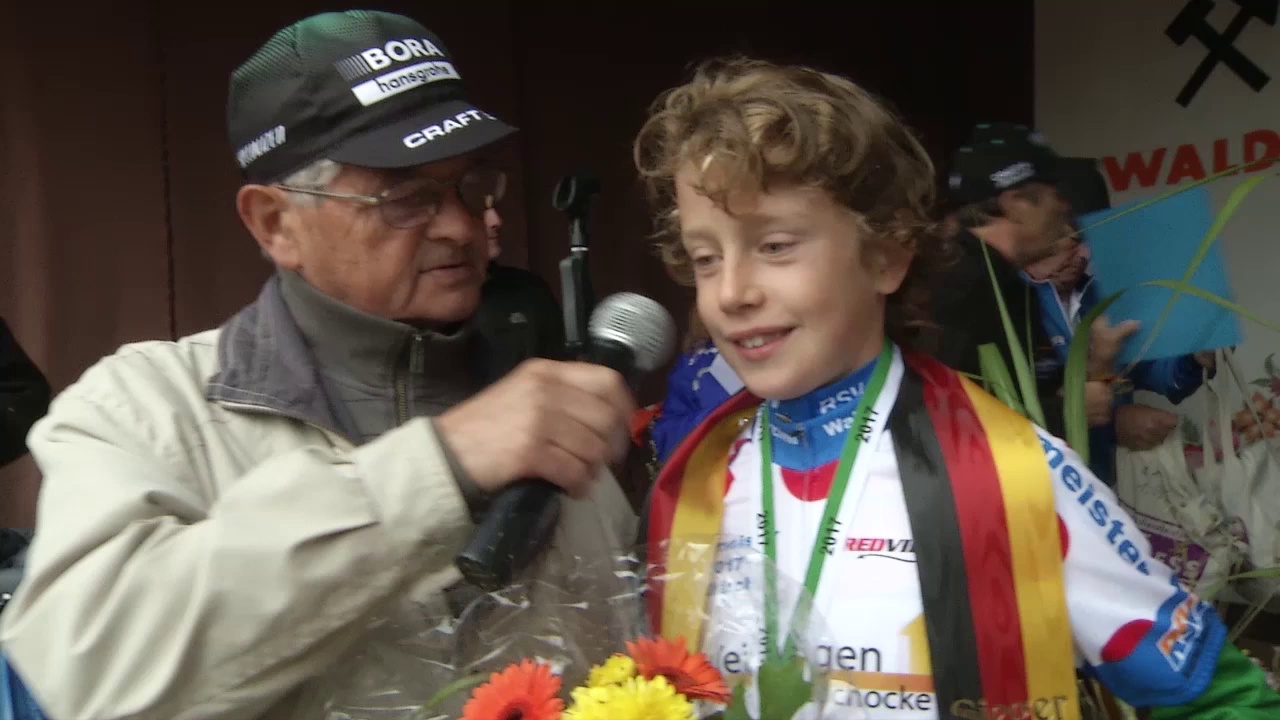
775	247
703	261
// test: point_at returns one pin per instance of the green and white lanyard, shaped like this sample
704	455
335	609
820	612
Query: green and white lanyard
824	542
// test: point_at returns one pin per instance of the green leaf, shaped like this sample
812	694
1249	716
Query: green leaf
1210	591
464	683
1022	367
1261	383
1218	300
996	376
783	689
737	709
1074	378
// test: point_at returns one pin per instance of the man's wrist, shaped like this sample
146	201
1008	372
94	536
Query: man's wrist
476	498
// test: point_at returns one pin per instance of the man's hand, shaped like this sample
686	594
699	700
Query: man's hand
1104	344
1098	400
559	421
1139	427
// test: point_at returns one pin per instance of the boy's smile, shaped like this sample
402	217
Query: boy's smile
758	343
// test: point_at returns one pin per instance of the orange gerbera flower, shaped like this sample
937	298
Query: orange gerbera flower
692	675
527	691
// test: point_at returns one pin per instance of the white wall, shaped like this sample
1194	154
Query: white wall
1107	79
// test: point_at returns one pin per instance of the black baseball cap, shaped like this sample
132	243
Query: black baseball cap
359	87
1006	131
999	157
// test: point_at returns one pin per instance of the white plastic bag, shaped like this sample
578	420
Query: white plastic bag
1246	481
1186	528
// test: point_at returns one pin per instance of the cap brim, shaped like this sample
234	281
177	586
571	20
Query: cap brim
447	130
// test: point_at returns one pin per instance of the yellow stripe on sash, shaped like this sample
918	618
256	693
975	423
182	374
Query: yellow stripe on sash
695	529
1027	489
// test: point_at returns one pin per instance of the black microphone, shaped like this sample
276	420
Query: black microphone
629	333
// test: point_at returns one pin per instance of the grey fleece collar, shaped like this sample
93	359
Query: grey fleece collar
263	363
270	353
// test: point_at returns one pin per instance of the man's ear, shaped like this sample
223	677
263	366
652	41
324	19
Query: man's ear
267	213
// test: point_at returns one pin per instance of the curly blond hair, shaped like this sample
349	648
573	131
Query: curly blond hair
756	123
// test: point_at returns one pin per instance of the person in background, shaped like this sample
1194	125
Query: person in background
1065	288
1008	213
224	518
1049	283
493	227
519	315
14	544
24	399
24	396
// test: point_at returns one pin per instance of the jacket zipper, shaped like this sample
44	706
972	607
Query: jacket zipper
417	364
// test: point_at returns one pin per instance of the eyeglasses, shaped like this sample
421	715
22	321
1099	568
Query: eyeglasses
416	202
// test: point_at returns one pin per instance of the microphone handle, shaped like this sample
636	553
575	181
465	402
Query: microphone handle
513	530
521	518
614	356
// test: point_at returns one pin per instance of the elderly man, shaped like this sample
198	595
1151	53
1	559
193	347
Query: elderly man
223	517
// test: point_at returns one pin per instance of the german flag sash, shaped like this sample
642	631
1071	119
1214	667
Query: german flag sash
988	550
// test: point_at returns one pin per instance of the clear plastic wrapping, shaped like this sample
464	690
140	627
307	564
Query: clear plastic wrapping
423	660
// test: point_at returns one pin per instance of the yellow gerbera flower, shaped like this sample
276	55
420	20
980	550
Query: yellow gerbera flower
614	671
635	699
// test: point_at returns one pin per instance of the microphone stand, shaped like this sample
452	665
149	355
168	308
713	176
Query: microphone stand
573	196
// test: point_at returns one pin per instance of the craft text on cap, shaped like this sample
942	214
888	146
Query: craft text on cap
360	87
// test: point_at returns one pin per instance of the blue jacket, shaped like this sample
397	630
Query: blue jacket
1175	378
700	382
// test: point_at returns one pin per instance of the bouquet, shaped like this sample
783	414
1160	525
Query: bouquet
579	642
656	678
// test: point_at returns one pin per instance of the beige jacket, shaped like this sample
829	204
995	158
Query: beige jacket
207	558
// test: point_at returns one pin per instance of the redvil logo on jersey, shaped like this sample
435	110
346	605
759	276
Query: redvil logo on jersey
1193	22
904	545
900	549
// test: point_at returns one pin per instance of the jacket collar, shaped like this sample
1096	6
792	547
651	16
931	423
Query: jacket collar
264	364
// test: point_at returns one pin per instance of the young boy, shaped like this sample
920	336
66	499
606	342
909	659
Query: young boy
964	561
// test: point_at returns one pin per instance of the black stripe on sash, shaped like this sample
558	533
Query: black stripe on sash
948	614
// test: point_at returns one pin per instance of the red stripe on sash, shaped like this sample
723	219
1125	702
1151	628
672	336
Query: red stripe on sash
984	533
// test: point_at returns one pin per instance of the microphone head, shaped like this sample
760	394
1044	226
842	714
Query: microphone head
637	323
